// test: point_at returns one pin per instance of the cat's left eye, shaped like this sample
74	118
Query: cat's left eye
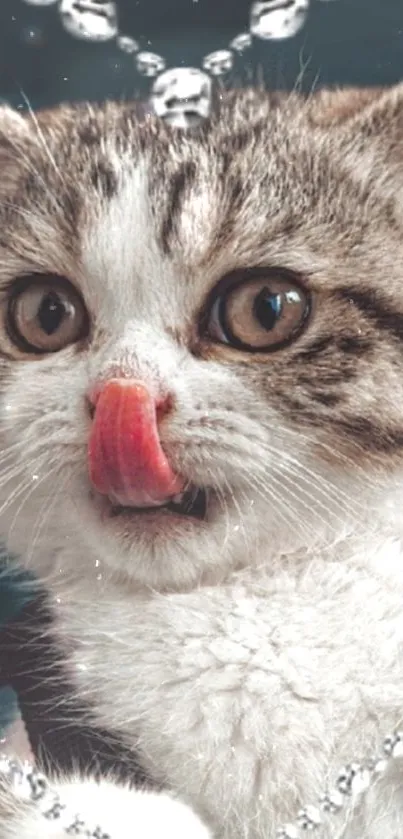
259	310
45	314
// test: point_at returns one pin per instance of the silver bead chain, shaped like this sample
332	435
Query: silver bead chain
350	785
182	96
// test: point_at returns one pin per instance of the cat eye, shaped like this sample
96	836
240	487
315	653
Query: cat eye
45	314
259	310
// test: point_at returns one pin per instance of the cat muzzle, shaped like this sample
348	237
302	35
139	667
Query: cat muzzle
125	458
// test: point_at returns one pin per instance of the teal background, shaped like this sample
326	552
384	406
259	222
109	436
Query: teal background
344	42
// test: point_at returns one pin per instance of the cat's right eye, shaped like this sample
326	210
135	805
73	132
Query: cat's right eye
45	314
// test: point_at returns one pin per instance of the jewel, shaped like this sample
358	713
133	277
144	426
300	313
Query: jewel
127	44
241	42
90	20
149	64
345	778
182	96
332	801
289	831
277	19
219	62
393	745
309	818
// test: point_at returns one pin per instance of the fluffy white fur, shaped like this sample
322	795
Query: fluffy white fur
246	660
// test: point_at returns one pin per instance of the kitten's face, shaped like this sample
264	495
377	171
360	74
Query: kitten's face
247	279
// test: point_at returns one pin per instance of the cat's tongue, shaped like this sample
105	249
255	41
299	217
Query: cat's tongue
125	457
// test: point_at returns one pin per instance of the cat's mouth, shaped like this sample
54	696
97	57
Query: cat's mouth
192	503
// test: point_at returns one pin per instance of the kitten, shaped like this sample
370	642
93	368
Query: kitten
202	444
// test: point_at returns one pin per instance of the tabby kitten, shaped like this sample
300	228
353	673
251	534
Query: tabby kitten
202	445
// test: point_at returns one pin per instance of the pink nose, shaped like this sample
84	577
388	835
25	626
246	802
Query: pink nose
125	458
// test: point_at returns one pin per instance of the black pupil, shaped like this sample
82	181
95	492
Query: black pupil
51	313
267	308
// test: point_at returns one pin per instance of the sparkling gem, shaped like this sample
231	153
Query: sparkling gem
345	778
182	96
289	831
54	812
90	20
241	42
309	818
332	801
219	62
150	64
277	19
127	44
393	745
76	828
38	785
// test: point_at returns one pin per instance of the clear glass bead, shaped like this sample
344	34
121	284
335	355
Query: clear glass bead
345	778
149	64
309	818
89	20
127	44
218	63
241	42
332	801
289	831
182	96
275	19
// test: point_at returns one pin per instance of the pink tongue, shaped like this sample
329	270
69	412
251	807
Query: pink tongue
125	458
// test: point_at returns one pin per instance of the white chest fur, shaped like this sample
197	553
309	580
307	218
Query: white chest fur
247	697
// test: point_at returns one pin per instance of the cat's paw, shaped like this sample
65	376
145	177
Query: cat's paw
104	810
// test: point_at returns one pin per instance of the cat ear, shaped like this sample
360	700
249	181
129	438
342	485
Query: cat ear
368	114
373	108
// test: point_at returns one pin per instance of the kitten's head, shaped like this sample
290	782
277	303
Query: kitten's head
215	316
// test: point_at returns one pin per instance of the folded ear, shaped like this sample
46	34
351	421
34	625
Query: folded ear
372	112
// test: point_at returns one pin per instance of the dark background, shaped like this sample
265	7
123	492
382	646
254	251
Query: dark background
345	41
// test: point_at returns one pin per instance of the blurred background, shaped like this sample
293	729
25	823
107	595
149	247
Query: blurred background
58	50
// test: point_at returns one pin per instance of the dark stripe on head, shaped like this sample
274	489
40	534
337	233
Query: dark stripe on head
104	179
375	310
180	181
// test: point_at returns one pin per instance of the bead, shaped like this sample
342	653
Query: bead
149	64
345	778
289	831
218	63
274	19
332	801
241	42
182	96
90	20
393	744
309	818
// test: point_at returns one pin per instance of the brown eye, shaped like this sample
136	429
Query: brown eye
259	311
45	314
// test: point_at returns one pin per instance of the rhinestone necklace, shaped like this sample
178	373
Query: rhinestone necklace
351	783
181	95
